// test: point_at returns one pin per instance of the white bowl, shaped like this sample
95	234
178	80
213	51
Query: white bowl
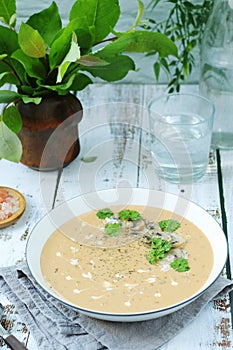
127	196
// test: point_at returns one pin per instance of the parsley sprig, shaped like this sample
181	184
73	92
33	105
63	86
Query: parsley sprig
113	229
158	249
104	213
169	225
180	265
130	215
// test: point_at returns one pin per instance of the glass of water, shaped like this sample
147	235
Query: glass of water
181	127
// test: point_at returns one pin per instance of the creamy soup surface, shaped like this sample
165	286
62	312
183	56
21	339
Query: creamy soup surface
118	278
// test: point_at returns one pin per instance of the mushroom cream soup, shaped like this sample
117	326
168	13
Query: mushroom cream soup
127	266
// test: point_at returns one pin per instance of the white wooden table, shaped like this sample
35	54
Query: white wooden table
120	162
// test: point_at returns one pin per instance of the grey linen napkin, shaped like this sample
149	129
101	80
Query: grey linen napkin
56	326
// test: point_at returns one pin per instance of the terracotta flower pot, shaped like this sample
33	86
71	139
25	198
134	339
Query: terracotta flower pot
50	131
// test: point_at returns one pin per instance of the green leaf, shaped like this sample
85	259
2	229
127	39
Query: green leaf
7	78
117	68
72	56
139	15
34	67
113	229
7	96
62	70
180	265
157	70
128	214
12	119
169	225
159	247
62	88
165	65
47	22
27	90
61	45
104	213
84	32
100	14
31	42
18	70
10	144
12	21
92	61
4	67
142	41
59	48
3	56
75	82
88	159
80	81
8	12
28	99
8	41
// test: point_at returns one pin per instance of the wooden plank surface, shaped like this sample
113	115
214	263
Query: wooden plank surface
13	238
109	112
226	160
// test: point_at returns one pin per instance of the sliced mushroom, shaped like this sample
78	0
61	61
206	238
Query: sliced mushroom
174	238
177	253
136	227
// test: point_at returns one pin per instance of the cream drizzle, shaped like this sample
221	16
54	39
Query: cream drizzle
143	271
73	249
87	275
74	262
151	280
77	291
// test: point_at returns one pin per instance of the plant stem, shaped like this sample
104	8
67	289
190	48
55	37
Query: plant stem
13	71
9	103
105	41
184	24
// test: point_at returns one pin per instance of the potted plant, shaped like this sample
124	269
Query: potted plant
46	63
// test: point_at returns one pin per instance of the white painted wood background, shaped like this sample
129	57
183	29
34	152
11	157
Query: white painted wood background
119	162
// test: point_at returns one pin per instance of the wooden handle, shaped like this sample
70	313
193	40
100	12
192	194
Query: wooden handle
14	343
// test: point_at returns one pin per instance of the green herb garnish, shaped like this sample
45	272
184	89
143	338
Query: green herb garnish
130	215
113	229
104	213
158	249
169	225
180	265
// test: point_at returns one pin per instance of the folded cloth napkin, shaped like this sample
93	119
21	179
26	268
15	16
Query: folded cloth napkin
56	326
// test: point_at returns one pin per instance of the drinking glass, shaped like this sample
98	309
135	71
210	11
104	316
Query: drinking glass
180	126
